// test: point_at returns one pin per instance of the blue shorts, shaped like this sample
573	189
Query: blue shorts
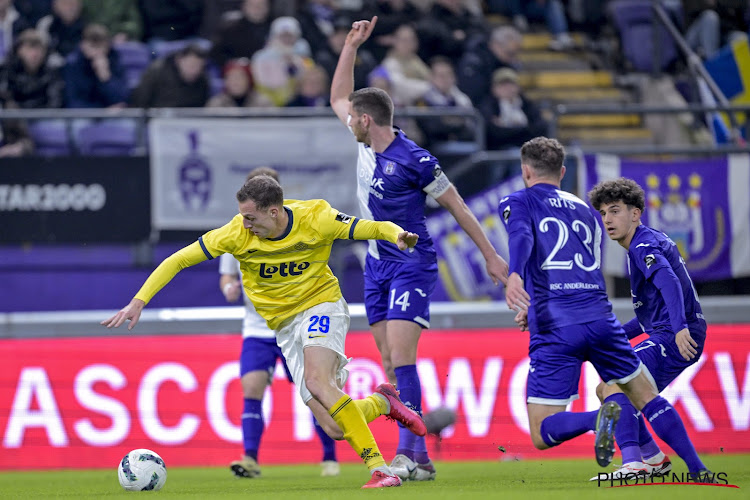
260	354
557	355
663	359
397	290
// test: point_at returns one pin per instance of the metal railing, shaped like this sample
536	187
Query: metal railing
696	67
143	116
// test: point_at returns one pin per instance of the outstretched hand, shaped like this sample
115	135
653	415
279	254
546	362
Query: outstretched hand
407	240
515	296
360	32
686	344
497	268
131	312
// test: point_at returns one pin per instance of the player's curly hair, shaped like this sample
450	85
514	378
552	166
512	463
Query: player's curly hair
544	155
375	102
262	190
623	189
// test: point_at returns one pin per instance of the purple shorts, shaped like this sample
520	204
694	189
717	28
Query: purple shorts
398	290
663	359
259	354
557	355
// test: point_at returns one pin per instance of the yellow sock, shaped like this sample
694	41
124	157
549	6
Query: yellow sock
352	422
372	407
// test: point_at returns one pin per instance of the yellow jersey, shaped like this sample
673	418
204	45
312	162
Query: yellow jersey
282	276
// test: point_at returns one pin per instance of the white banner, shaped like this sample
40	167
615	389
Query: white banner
197	165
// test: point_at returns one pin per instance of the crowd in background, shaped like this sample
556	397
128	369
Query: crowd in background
257	53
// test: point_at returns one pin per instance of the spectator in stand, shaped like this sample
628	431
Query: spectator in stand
316	18
121	17
409	75
94	77
26	82
166	20
239	89
33	10
278	65
448	28
551	12
313	89
179	80
477	66
391	14
709	23
511	119
27	79
328	58
242	36
63	29
11	24
443	93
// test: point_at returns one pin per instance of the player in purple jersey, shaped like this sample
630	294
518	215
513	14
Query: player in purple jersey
555	250
395	176
666	307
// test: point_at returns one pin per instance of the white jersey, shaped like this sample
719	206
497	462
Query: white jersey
253	325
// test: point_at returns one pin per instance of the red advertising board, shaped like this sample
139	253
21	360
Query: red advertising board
84	402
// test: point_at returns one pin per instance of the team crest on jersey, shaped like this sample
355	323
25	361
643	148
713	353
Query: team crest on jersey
342	217
300	246
649	260
390	167
506	213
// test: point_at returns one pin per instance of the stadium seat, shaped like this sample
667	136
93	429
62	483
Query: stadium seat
164	48
135	58
50	137
634	20
107	139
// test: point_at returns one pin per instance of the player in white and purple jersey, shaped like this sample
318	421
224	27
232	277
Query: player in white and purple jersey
395	177
555	249
666	307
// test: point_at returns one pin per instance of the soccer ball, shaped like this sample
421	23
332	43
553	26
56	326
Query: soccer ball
142	470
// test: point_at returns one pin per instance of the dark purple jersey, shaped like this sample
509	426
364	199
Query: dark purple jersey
555	246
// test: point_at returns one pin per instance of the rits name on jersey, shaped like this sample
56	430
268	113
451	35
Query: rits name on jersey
284	269
561	203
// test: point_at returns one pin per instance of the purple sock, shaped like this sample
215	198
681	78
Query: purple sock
329	445
668	425
252	427
420	450
410	391
649	448
566	425
626	431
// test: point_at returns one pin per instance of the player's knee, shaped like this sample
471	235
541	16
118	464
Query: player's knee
600	389
537	441
333	430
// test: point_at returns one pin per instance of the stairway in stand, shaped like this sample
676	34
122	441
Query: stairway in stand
575	77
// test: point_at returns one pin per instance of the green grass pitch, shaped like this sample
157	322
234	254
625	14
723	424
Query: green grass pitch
532	479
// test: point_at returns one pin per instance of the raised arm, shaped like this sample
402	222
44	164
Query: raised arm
343	78
496	266
186	257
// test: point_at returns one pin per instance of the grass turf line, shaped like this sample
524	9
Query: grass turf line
535	479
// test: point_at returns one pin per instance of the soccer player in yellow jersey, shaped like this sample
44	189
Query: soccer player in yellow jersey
283	247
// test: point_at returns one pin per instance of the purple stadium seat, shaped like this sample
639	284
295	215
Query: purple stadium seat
107	139
50	137
165	48
135	58
634	19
